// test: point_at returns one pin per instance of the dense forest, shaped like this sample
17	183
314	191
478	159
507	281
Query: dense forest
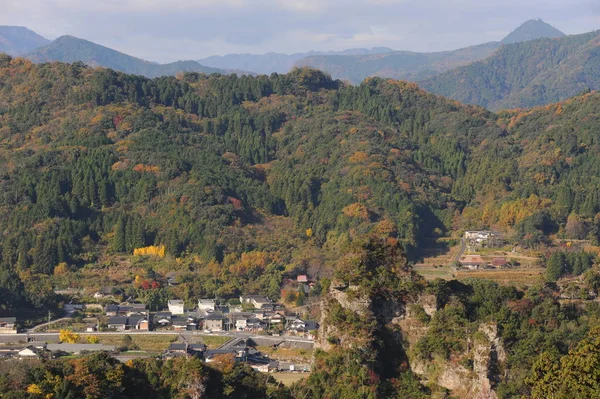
100	376
525	74
97	163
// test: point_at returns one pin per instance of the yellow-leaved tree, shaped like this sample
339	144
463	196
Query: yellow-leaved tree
92	339
152	250
68	336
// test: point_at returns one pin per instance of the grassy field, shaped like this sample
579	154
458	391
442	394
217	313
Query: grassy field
285	354
212	341
516	277
288	379
431	272
144	342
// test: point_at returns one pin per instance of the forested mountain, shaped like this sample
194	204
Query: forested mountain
179	161
99	152
96	162
18	40
526	74
276	62
403	65
72	49
532	30
413	66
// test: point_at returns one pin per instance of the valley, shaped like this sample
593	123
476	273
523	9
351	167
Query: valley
314	226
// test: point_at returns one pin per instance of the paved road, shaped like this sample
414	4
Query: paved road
463	248
5	338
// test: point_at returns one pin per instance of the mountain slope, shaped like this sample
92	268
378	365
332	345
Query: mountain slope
403	65
532	30
525	74
72	49
275	62
249	171
18	40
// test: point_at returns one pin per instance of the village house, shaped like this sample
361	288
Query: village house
483	238
8	325
207	305
214	322
239	355
241	323
177	349
255	300
176	306
111	310
499	262
31	352
302	328
277	318
107	292
180	323
266	367
303	278
123	323
163	319
472	262
254	324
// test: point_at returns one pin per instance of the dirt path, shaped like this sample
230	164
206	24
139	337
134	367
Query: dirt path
34	329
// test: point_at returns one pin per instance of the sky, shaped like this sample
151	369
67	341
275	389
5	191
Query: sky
170	30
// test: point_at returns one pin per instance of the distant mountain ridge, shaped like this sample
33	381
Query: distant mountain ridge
401	65
277	62
526	74
72	49
532	30
18	40
418	66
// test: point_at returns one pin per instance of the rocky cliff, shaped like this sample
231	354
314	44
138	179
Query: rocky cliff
468	375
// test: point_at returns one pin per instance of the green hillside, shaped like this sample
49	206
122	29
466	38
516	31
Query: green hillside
525	74
72	49
98	163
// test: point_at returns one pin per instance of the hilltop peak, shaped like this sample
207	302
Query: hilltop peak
532	30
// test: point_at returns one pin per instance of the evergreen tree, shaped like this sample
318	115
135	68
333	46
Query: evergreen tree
119	244
555	266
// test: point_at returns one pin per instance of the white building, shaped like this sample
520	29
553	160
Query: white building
206	305
241	324
176	306
255	300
